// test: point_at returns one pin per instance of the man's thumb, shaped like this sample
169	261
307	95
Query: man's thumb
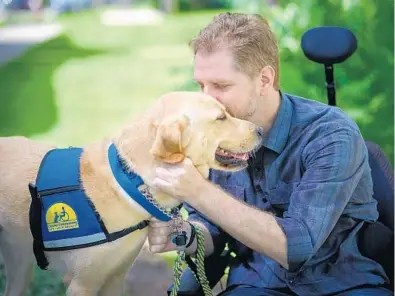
156	248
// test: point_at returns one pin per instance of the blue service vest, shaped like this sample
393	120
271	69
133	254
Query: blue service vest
61	216
68	217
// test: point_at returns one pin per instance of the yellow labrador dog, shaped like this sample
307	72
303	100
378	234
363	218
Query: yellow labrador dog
79	211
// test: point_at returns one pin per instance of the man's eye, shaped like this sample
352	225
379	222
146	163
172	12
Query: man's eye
201	86
220	86
222	117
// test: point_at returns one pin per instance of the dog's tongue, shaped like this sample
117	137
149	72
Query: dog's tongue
243	156
240	156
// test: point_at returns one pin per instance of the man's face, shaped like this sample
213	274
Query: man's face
217	76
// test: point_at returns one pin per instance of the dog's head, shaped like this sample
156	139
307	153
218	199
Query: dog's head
195	125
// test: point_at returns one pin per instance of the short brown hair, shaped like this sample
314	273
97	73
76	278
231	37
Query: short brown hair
248	36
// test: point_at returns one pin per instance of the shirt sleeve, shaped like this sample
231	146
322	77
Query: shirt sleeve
217	234
334	162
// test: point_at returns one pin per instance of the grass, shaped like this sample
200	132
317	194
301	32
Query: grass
85	84
29	101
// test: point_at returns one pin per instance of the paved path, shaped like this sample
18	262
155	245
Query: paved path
131	17
16	39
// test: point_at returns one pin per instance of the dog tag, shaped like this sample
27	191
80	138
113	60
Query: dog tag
180	239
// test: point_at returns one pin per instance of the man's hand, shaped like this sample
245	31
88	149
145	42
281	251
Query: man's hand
159	236
181	181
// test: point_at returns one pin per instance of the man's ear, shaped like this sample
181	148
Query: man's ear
168	144
267	76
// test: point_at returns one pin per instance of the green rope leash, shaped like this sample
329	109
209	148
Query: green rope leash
200	262
177	272
201	275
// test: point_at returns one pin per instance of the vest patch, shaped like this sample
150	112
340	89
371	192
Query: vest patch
61	216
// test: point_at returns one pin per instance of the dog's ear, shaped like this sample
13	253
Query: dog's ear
168	144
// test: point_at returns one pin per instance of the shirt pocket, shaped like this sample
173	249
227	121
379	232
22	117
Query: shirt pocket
236	191
280	197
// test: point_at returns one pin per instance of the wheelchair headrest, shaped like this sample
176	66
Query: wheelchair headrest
328	45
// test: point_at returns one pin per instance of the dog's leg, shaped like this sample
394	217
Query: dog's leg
114	284
18	260
79	288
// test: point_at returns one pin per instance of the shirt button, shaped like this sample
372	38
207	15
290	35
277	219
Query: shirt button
293	280
265	195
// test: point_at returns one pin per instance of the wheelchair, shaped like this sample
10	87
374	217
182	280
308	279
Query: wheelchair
329	46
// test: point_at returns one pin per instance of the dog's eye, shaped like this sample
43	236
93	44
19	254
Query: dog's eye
222	117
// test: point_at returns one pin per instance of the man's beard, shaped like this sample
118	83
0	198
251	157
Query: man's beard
252	108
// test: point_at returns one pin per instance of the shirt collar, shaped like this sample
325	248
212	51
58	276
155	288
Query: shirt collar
277	136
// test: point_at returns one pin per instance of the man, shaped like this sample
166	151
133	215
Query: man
294	214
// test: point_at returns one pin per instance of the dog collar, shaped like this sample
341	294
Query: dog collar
130	182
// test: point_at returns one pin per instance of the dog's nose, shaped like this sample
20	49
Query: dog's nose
259	132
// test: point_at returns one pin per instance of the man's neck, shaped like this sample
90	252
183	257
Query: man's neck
267	110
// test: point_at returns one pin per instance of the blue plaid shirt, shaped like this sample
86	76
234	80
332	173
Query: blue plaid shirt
312	173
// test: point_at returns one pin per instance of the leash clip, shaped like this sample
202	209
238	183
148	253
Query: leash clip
179	236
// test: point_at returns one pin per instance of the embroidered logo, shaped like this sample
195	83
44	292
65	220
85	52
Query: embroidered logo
61	216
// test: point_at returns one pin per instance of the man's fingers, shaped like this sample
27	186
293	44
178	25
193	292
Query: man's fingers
159	231
163	173
157	223
158	240
188	161
158	182
157	248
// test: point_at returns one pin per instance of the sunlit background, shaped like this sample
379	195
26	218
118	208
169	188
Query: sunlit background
75	71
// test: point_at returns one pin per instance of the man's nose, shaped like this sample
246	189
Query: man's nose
207	91
218	98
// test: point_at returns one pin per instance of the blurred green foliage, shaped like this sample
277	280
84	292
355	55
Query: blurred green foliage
365	82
